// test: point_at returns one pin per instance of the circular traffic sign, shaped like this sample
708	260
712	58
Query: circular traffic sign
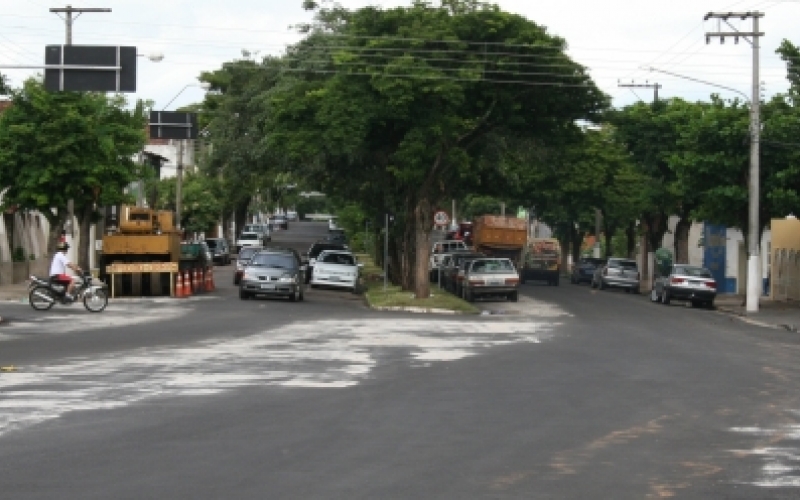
441	218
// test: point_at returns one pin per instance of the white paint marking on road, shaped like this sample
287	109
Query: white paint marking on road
120	315
314	354
780	465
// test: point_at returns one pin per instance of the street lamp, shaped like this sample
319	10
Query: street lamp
202	85
153	56
179	163
754	229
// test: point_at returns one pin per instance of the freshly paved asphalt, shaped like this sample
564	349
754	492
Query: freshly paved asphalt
569	393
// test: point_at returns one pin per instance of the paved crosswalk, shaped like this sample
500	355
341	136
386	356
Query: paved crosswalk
320	354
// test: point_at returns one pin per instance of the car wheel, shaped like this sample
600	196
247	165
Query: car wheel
513	296
653	295
665	298
710	304
243	295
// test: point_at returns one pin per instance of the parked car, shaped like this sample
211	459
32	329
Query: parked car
291	215
332	224
336	268
261	228
245	254
617	273
273	272
684	282
315	250
280	222
336	236
249	239
450	269
584	269
439	250
220	250
489	276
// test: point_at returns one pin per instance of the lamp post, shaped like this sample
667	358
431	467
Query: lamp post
179	159
754	233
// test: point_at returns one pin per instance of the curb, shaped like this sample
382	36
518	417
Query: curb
419	310
744	318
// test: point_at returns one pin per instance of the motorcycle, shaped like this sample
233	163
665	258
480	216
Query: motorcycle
43	294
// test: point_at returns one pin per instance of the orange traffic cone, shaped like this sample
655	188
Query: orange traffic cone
211	279
208	286
179	291
198	281
188	284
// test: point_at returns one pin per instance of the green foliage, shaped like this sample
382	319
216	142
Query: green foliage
56	146
18	255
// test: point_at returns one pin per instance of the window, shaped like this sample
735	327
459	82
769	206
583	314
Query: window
273	260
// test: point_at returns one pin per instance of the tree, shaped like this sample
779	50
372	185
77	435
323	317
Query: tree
405	105
57	146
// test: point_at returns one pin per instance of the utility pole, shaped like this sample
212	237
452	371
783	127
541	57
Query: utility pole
754	223
646	85
178	184
645	281
68	18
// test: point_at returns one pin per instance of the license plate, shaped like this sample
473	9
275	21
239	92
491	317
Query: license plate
268	287
494	282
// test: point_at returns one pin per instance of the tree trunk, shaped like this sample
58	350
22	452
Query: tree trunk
423	224
682	241
56	226
577	244
84	245
630	234
608	237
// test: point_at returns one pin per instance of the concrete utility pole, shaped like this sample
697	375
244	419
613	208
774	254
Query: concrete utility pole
68	18
178	184
645	280
754	224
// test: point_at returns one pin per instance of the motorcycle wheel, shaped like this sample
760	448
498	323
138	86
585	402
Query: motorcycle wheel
95	301
39	303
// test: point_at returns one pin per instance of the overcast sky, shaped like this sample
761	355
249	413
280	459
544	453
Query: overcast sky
613	38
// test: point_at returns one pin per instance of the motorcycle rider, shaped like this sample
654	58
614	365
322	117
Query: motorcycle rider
58	269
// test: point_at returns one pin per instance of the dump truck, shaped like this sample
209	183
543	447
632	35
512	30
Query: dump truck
500	236
541	260
142	252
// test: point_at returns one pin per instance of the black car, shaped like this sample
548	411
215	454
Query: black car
318	248
584	269
450	269
220	250
336	236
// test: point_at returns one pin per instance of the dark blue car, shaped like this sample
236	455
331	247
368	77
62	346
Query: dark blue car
583	270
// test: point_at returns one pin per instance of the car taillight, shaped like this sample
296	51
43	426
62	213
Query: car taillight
711	284
512	281
476	282
676	281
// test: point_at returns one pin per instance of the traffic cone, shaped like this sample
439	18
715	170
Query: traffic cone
208	283
187	285
179	290
211	280
198	282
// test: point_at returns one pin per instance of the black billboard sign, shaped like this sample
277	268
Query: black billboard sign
173	125
90	68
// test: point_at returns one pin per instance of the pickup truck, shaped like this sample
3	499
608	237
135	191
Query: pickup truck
439	250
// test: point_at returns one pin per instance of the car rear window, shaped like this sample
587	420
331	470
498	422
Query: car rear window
492	266
317	249
698	272
624	264
248	236
338	258
247	252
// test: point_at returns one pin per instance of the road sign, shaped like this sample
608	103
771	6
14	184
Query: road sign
173	125
441	218
90	68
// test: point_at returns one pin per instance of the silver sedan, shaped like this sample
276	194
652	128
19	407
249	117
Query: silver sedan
684	282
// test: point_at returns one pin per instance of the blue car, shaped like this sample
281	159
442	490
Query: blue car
584	269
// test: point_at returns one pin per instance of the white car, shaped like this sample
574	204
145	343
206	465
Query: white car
336	268
249	239
332	224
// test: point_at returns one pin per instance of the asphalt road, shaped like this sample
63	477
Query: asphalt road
569	393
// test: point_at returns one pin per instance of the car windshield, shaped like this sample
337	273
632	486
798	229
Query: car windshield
592	262
698	272
492	266
274	260
339	258
247	252
248	236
